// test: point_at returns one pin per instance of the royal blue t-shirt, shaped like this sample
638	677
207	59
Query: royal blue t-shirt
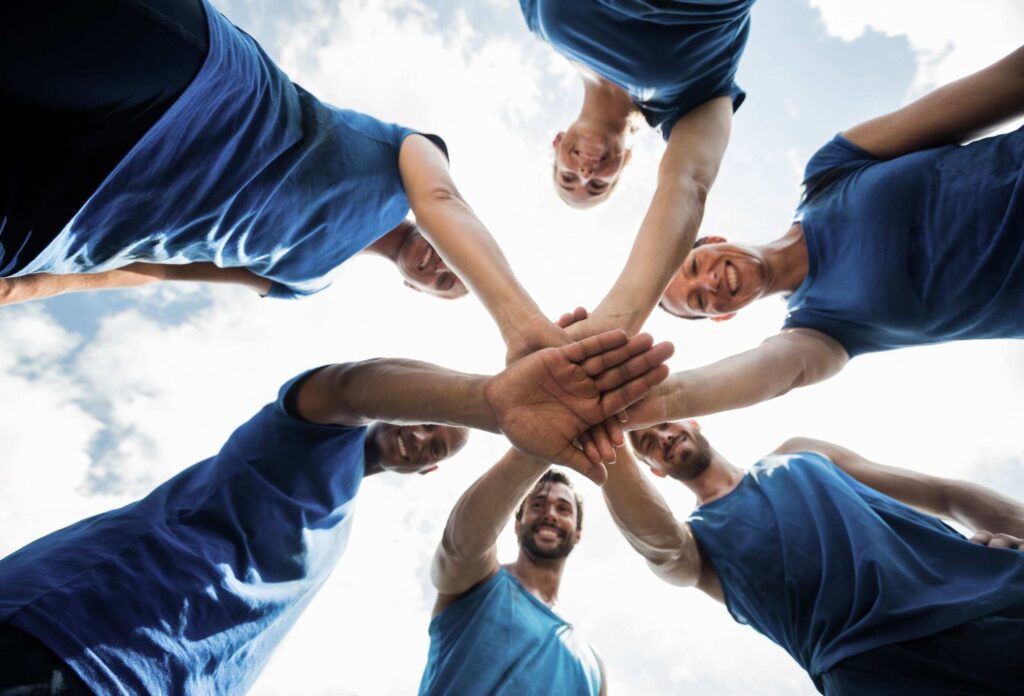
188	590
827	567
500	640
670	57
923	248
245	169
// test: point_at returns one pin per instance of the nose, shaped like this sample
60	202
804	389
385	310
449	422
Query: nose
419	439
711	281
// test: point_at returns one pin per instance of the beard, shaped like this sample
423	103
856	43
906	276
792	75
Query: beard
695	464
563	549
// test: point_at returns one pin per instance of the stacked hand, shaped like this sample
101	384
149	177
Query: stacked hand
548	399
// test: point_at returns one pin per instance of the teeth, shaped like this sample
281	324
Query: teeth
547	533
401	446
730	278
426	258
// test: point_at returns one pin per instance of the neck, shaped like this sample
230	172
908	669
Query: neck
371	457
719	479
541	576
786	259
389	245
606	107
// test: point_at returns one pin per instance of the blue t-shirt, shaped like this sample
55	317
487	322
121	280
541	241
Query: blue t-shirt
670	57
245	169
827	567
189	590
923	248
500	640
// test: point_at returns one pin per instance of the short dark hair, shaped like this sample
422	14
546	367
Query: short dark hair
555	476
700	241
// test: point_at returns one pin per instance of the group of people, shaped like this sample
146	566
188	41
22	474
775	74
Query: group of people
180	151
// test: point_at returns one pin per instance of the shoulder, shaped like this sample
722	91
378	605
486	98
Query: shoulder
833	160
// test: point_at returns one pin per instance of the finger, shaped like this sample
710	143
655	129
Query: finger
590	448
632	391
597	364
622	416
576	460
565	320
614	428
1003	541
594	345
981	537
603	440
635	367
579	314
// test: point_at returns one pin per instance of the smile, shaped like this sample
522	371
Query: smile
549	534
732	279
426	258
401	446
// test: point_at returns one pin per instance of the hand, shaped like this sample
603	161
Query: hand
546	400
578	324
532	335
997	541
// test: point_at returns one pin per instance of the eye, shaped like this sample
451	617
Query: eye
693	266
445	281
436	450
568	178
597	187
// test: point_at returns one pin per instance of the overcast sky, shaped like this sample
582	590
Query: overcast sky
105	396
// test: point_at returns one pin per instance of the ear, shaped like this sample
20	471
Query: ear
626	156
723	317
428	470
579	535
714	239
407	284
695	424
558	139
518	527
658	472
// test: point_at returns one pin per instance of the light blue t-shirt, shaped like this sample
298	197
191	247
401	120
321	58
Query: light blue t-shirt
670	57
188	590
500	640
827	567
923	248
245	169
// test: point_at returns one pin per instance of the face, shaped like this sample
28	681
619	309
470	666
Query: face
425	270
716	280
587	164
547	528
674	449
415	449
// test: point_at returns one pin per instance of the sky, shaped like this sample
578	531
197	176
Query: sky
107	395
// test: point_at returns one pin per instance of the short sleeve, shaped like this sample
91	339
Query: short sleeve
733	91
833	160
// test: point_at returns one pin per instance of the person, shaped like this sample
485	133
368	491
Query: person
156	132
495	628
903	238
675	63
189	589
841	561
421	267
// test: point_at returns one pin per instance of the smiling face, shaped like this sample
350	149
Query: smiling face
716	280
673	449
425	270
547	523
587	164
411	449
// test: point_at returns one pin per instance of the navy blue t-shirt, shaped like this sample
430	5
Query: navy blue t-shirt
500	640
827	567
923	248
189	590
246	169
670	57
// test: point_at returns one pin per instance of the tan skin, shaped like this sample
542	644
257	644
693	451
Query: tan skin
672	551
467	555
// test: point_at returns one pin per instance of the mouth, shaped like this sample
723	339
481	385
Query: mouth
548	534
674	451
732	278
402	448
427	256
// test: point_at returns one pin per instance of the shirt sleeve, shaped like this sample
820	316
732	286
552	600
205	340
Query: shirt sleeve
838	155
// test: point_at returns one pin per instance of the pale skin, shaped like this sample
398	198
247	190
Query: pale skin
467	556
718	279
541	402
672	552
589	158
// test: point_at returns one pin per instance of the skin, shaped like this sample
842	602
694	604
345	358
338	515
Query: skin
547	532
421	266
411	449
541	403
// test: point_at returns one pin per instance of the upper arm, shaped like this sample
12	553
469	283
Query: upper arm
955	113
811	355
454	576
425	175
317	398
922	491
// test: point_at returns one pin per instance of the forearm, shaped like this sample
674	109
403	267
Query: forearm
39	286
467	549
980	508
396	391
467	246
206	273
648	524
665	237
